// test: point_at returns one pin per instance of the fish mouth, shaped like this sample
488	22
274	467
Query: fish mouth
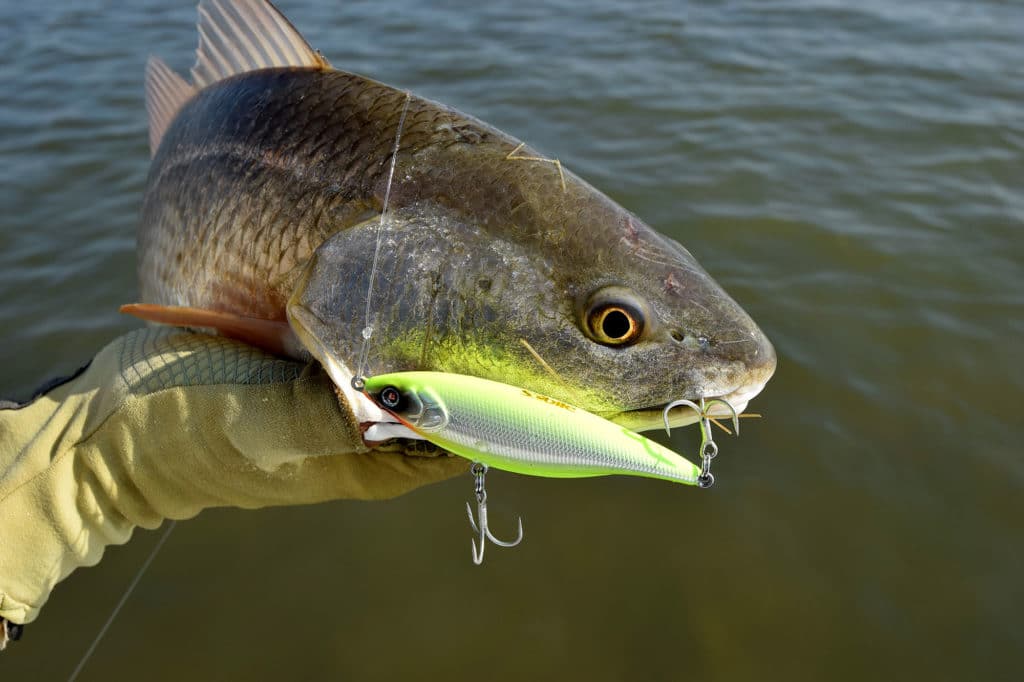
378	425
650	418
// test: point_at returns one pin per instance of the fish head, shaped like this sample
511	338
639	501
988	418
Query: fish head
639	322
603	313
661	329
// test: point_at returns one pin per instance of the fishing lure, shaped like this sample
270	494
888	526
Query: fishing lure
517	430
510	428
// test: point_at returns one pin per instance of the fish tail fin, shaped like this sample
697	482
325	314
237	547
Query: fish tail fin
166	92
235	36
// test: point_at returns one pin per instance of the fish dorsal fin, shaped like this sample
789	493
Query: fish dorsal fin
236	36
166	91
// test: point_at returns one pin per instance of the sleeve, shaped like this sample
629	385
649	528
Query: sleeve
162	424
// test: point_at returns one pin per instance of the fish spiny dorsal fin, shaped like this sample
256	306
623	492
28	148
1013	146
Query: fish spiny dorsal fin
236	36
166	91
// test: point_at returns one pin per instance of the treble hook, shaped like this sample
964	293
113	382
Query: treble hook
708	447
702	411
479	470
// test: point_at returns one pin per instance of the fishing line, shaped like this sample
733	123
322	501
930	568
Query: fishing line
359	379
124	598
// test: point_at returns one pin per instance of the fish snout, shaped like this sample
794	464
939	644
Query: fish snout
751	362
732	361
760	359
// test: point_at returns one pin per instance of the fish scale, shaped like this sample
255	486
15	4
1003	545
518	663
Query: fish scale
277	154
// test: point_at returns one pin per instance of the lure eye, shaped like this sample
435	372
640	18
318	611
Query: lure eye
391	398
614	318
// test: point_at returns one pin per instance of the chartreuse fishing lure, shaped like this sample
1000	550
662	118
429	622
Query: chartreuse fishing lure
517	430
514	429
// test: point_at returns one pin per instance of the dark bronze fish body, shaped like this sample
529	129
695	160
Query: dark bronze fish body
265	199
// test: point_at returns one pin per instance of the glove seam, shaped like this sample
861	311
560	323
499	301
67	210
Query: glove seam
36	475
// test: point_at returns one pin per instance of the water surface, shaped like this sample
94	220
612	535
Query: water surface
851	173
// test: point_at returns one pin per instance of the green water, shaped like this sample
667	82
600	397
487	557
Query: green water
851	173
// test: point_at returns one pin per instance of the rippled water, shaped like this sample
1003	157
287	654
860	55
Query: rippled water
850	172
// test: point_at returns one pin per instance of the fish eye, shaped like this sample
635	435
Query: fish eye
614	317
391	398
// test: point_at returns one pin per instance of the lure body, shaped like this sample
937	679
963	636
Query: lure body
517	430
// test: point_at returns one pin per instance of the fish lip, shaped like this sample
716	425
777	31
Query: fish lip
651	418
757	377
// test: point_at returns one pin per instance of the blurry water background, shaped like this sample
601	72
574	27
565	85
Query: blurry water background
852	173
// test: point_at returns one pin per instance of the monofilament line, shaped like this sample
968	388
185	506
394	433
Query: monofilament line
360	376
124	598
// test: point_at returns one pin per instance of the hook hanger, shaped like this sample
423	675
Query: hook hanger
479	471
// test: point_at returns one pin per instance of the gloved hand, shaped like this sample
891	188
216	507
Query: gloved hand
162	424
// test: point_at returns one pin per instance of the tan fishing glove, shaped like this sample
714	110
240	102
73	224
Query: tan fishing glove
162	424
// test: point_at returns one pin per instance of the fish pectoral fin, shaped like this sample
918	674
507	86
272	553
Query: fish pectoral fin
273	336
